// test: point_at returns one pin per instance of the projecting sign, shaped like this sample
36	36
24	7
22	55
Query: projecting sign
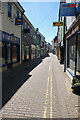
57	23
68	9
18	21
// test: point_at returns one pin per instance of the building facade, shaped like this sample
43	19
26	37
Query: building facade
28	46
10	34
73	43
42	44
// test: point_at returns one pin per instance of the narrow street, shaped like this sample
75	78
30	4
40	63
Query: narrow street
45	94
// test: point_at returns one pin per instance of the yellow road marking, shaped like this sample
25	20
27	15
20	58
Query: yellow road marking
51	97
45	109
47	90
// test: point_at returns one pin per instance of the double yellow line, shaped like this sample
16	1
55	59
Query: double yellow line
49	82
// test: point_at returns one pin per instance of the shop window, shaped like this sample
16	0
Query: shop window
9	10
72	51
8	53
26	52
3	55
14	54
78	56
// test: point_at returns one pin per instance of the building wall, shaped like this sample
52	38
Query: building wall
11	34
8	25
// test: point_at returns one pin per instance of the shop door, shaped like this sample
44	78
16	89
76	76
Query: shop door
9	61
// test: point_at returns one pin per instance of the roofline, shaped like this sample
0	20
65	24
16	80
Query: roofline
27	20
18	5
21	6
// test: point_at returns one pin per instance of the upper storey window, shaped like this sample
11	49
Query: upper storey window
17	14
9	10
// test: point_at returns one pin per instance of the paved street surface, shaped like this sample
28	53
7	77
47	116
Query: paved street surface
45	94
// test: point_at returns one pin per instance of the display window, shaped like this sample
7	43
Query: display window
14	53
26	52
3	55
72	53
78	56
8	53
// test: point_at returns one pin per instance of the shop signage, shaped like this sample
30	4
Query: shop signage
68	9
18	21
78	7
9	38
57	23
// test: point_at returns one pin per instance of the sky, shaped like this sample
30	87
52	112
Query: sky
42	15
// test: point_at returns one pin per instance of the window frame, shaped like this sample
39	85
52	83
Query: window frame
9	12
17	14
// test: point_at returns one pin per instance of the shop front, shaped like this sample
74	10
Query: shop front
10	50
73	54
26	52
33	50
37	51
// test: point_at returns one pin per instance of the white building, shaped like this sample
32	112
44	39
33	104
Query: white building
11	33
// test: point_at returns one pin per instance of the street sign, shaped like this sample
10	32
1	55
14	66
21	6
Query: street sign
68	9
57	23
18	21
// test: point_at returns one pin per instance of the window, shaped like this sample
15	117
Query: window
8	53
14	54
78	56
72	53
3	55
9	10
25	25
17	14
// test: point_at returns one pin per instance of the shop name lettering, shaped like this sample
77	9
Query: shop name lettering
8	37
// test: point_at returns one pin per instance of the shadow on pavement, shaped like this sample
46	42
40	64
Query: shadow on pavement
14	78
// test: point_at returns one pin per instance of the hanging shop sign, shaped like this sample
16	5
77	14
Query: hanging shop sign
68	9
9	38
57	23
18	21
